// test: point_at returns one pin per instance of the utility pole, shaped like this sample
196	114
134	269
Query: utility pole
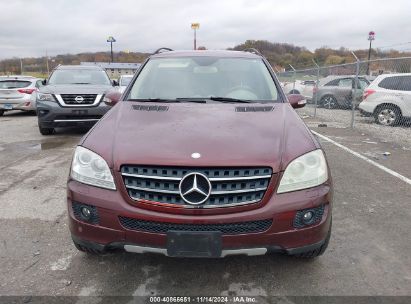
47	64
195	27
21	66
371	37
111	39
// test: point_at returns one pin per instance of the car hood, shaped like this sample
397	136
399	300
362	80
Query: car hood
75	89
222	135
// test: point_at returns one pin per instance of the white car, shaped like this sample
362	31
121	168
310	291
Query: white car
17	93
303	87
388	99
123	82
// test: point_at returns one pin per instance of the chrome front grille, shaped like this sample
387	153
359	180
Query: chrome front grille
78	100
71	98
229	186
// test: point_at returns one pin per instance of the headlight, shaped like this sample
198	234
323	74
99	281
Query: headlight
90	168
44	97
306	171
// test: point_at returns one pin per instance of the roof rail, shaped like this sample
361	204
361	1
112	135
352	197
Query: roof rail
253	50
162	49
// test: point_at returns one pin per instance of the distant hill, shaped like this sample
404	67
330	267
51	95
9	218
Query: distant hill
278	54
283	54
39	66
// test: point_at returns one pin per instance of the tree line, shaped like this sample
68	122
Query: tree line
280	55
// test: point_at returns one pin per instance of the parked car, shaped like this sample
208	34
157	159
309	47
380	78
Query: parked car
202	156
388	99
72	96
16	93
338	91
303	87
124	81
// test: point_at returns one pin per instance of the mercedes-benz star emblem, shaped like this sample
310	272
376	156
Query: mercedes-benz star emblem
195	188
79	99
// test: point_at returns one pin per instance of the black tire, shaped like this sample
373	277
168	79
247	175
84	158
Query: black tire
294	92
46	131
329	102
1	112
316	252
387	115
89	250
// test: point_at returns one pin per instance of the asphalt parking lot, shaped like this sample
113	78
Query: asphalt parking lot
368	252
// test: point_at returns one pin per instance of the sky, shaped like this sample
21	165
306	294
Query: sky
29	28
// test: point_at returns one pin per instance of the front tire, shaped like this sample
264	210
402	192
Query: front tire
388	115
329	102
1	112
46	131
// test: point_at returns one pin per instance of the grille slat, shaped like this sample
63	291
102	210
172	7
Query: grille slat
229	186
227	228
71	98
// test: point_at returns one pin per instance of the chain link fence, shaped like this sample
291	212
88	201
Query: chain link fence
370	95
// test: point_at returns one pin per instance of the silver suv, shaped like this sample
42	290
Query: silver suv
337	91
72	96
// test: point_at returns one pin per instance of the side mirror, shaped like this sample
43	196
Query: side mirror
296	100
112	98
44	82
115	83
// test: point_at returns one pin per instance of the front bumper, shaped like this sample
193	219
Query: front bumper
52	115
281	236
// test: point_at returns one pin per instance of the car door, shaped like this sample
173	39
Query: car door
343	92
362	84
405	92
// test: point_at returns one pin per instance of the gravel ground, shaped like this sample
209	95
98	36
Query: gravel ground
400	135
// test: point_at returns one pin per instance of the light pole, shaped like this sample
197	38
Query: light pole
195	27
371	37
111	40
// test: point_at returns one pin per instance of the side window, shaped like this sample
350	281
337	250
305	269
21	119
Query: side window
332	83
362	84
346	83
390	83
405	83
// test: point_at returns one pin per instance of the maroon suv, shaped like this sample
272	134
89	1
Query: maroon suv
202	156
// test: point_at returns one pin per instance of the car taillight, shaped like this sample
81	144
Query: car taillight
26	91
367	93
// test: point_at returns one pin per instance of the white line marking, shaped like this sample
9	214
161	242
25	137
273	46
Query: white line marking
389	171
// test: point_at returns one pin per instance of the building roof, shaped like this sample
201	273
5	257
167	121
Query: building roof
113	65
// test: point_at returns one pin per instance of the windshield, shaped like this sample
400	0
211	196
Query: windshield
80	76
125	80
204	77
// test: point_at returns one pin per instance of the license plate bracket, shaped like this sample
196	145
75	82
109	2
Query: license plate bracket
194	244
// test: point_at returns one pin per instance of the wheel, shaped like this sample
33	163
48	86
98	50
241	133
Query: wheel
294	92
329	102
46	131
1	112
88	250
388	115
316	252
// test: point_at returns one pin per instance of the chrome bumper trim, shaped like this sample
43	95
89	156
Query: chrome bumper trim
224	253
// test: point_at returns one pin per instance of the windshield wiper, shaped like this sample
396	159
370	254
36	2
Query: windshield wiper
230	100
165	100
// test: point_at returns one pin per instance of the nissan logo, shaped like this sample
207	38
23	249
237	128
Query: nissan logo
195	188
79	99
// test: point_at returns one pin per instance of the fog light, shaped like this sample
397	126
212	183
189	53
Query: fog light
86	213
308	216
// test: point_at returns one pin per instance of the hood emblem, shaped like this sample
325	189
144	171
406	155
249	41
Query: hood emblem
79	99
195	155
195	188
